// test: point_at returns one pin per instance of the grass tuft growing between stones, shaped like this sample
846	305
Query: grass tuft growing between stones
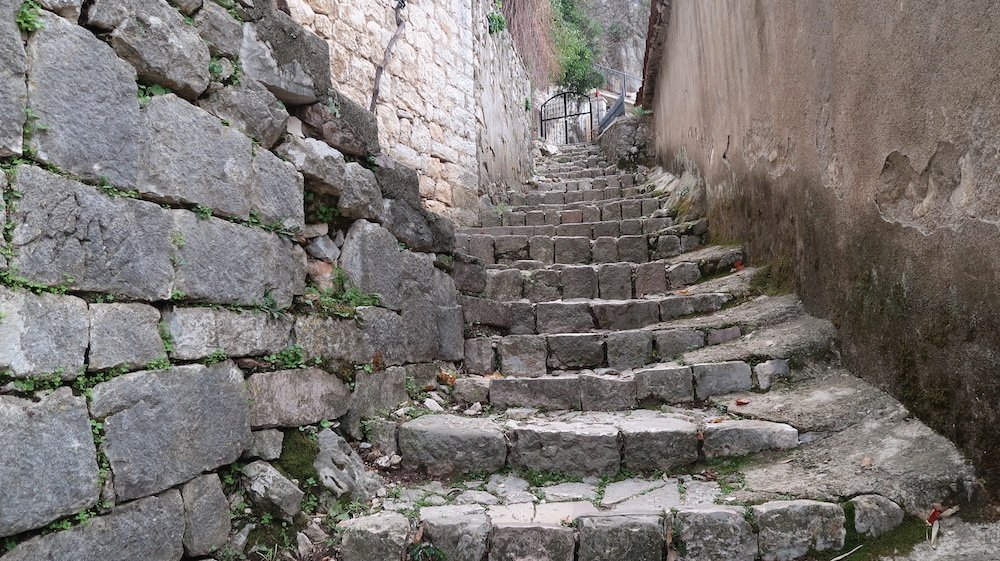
775	278
900	541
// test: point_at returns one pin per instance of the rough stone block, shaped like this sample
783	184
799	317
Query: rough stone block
611	212
206	515
232	264
504	284
371	259
341	470
352	129
719	336
479	356
768	371
190	157
159	520
510	248
635	538
47	444
541	248
327	172
276	192
667	246
542	285
377	536
615	281
548	393
607	230
472	389
664	384
675	342
650	278
42	334
222	33
875	515
13	91
629	349
605	250
460	536
721	378
683	274
447	444
516	542
625	314
634	249
572	250
398	181
373	392
658	443
710	533
270	489
523	355
790	529
332	338
742	437
85	97
123	335
163	428
573	448
469	274
483	311
563	317
576	350
293	398
607	392
579	282
104	244
582	230
481	246
266	445
198	332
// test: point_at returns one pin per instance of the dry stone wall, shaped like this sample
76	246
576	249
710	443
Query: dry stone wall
448	76
185	269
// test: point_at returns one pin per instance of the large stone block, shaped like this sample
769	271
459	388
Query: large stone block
64	229
742	437
462	536
198	332
790	529
377	536
374	392
625	314
276	192
152	36
294	48
675	342
408	224
545	393
398	181
287	81
273	491
635	538
159	520
250	108
13	91
45	444
576	350
332	338
232	264
220	31
447	444
327	172
721	378
573	448
206	515
517	542
124	335
630	349
710	533
607	392
163	428
523	355
42	334
371	259
658	443
85	97
664	384
343	124
563	317
293	398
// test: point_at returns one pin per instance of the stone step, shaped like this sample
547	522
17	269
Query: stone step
581	173
607	210
614	179
572	205
718	337
532	198
617	281
590	229
583	443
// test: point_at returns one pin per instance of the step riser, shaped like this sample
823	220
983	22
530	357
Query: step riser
590	229
575	250
570	213
585	184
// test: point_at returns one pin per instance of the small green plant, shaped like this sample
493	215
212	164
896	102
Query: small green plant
40	382
168	339
527	104
177	295
114	192
162	363
641	111
29	16
202	212
496	20
215	357
269	305
288	358
146	93
425	552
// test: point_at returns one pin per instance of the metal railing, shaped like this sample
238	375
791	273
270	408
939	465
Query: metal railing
615	78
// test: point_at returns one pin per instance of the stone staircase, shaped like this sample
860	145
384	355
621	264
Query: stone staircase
629	394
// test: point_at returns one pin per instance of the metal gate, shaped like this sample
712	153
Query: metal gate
567	118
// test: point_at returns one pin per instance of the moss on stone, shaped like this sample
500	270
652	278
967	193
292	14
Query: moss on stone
298	453
900	541
774	278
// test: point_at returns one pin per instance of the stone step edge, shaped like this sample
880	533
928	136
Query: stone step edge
654	384
774	529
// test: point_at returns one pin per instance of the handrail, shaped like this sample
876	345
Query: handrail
617	110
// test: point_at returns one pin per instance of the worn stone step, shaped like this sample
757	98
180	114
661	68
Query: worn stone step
570	184
593	230
529	281
497	219
582	250
583	444
572	213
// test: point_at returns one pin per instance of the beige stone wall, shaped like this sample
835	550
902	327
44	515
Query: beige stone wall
429	100
856	144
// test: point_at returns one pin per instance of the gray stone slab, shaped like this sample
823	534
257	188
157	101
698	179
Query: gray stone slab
630	349
575	350
615	281
42	334
124	335
293	398
371	258
13	91
664	384
163	428
563	317
635	538
206	515
523	355
721	378
545	393
516	542
85	97
658	443
45	444
625	314
447	444
573	448
198	332
607	392
712	532
743	437
790	529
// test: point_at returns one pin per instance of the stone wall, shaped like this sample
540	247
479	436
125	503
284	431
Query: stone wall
187	271
854	146
446	74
